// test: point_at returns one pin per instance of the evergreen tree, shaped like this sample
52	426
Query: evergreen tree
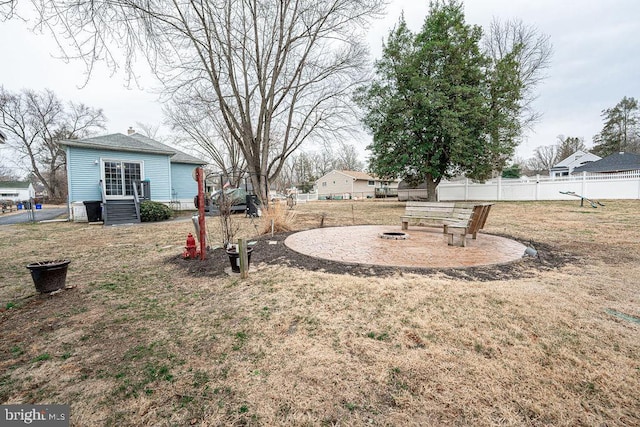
621	131
437	106
566	146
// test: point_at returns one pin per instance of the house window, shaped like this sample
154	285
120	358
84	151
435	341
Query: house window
371	183
324	183
120	177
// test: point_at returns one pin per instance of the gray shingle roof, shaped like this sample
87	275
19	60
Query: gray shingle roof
618	162
134	143
178	157
116	142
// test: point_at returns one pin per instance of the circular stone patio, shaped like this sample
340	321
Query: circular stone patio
425	247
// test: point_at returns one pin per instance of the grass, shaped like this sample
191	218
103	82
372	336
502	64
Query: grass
137	342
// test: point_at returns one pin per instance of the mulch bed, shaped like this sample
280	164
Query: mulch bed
217	262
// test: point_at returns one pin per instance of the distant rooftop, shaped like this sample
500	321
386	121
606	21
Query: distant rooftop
618	162
14	184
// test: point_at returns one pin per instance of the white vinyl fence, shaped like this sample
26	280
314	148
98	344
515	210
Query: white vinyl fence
306	197
623	185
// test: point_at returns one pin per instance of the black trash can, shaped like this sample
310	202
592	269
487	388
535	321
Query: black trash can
94	210
252	205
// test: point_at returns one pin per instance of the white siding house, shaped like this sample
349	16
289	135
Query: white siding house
577	159
353	185
16	191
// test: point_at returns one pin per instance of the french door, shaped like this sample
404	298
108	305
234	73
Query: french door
120	177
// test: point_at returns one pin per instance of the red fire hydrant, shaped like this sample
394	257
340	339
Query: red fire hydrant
190	250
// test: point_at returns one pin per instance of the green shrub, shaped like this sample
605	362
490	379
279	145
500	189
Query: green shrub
154	211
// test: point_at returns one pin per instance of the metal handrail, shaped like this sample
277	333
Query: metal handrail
136	200
103	192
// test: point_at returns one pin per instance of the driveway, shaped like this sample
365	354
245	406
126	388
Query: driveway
23	216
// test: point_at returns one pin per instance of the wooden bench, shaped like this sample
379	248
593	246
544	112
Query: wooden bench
471	226
456	218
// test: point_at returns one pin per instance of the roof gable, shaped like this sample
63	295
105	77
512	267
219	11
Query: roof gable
576	159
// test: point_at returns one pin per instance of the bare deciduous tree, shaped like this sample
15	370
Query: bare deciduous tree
347	158
147	129
533	52
544	158
7	174
279	73
196	121
34	123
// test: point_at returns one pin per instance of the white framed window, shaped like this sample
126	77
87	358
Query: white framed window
120	176
371	183
324	183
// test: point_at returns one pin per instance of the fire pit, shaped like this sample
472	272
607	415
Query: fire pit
394	235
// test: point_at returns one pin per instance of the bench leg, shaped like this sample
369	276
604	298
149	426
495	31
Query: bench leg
462	232
462	243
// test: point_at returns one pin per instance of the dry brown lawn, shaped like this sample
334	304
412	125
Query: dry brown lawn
138	341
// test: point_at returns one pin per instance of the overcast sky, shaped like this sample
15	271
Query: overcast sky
596	62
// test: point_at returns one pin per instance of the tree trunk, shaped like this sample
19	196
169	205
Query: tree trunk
259	184
431	189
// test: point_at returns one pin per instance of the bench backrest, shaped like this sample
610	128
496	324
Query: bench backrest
479	218
439	211
475	214
429	209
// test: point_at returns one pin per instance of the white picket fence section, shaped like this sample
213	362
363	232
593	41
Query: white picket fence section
623	185
306	197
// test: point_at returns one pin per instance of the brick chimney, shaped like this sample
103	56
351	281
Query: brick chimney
130	131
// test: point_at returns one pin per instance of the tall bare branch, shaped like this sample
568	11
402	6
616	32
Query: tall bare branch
277	73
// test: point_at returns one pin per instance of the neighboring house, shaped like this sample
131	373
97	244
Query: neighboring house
16	191
577	159
118	170
353	184
618	162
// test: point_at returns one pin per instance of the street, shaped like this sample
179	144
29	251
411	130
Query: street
40	215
